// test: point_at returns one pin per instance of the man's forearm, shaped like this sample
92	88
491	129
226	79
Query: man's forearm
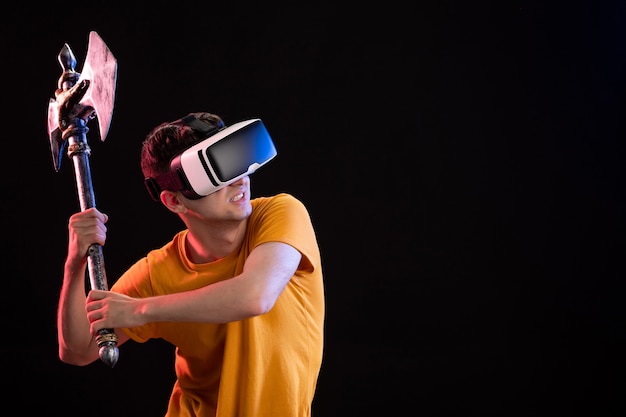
76	345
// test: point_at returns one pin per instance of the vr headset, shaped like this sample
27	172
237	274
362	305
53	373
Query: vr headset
223	156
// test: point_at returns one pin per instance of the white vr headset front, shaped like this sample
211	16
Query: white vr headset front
223	156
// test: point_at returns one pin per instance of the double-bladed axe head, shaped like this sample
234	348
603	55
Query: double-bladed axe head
92	92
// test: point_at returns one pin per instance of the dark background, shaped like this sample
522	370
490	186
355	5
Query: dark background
461	161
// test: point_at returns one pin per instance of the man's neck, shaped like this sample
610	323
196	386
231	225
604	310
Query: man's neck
208	243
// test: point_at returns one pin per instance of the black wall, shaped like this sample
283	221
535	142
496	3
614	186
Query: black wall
462	164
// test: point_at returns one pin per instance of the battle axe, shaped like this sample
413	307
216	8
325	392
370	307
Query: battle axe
79	98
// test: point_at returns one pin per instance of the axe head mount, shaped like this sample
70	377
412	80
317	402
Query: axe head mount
84	95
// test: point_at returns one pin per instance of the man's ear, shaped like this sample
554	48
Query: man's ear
172	202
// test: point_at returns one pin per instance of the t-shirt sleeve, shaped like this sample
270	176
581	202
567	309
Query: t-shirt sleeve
285	219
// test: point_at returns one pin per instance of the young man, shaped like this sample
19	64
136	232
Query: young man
239	291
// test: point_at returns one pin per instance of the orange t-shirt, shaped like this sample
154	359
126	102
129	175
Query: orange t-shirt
263	366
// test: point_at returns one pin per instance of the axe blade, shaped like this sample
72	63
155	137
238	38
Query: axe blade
100	69
57	145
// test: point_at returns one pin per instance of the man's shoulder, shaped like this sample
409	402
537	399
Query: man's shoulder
280	198
279	206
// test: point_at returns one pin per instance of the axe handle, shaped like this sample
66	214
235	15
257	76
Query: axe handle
106	339
79	152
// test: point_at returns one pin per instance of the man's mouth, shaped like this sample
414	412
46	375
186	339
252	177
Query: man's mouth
237	197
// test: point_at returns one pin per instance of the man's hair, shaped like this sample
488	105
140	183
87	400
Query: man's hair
168	139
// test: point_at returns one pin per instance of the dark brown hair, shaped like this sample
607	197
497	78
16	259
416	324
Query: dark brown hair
168	139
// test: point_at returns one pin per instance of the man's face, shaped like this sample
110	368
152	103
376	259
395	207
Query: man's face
229	203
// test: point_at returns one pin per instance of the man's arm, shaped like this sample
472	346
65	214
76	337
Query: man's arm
76	345
267	270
